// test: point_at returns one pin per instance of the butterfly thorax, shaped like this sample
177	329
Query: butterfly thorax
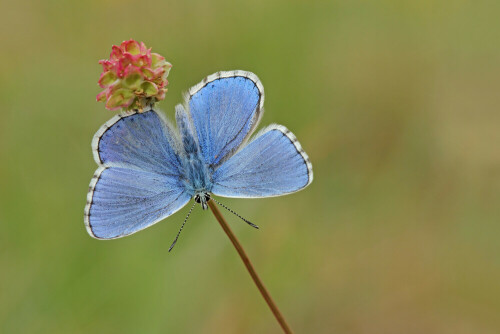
196	171
197	174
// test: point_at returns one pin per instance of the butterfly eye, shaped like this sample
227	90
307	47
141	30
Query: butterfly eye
197	199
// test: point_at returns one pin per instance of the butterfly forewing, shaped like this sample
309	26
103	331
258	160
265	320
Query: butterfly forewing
225	108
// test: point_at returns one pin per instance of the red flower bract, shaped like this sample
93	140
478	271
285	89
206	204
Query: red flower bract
133	77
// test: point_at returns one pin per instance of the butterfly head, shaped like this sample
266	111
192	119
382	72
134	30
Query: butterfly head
202	198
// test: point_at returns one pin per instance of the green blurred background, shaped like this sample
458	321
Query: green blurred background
396	103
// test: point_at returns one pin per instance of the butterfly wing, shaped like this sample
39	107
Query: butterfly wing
142	141
122	201
225	108
139	180
272	164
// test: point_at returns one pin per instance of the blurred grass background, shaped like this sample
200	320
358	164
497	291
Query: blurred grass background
396	103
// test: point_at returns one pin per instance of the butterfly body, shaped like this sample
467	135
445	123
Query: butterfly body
196	171
148	170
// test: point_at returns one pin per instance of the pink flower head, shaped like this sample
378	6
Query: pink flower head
133	77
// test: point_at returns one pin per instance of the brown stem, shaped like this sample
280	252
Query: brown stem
250	268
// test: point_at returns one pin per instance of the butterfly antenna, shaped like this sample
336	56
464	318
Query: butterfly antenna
182	226
234	213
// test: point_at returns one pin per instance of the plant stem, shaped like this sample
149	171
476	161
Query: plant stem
267	297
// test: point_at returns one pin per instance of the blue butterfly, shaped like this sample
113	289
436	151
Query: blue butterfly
148	170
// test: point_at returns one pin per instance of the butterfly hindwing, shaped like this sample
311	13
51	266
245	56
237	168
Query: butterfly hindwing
139	181
225	108
123	201
272	164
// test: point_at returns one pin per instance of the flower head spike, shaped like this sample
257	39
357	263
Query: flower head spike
133	77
